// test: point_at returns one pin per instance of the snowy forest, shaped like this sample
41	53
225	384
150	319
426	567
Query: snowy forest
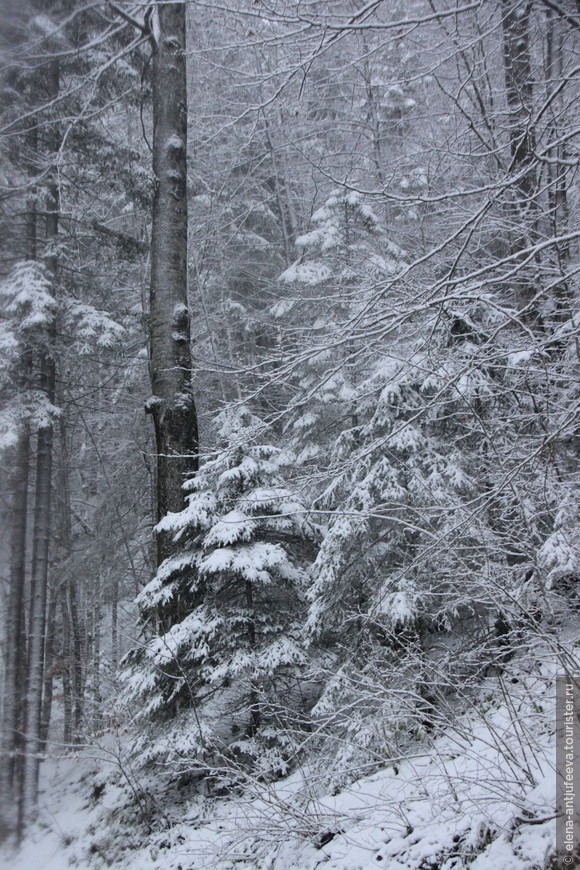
289	434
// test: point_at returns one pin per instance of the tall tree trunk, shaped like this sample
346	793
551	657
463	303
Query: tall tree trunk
48	669
115	623
519	92
254	699
97	718
67	659
42	513
172	405
76	637
11	746
14	676
556	168
37	624
72	592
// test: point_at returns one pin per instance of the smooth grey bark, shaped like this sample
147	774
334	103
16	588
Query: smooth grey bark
172	404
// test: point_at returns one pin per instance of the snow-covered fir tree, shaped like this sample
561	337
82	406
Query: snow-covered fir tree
343	258
28	311
437	526
223	676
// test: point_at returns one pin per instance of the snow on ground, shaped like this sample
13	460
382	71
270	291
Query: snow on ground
62	816
481	794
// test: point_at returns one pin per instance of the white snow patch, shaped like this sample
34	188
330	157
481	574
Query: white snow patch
305	273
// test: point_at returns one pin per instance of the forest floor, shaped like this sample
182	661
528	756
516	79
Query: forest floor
481	794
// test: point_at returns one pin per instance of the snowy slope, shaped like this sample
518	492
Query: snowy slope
479	795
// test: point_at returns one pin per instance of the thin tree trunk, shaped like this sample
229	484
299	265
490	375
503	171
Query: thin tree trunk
72	590
254	700
114	624
282	205
519	92
48	670
96	632
77	661
172	405
556	169
66	669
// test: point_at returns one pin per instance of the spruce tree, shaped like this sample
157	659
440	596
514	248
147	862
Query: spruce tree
224	681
